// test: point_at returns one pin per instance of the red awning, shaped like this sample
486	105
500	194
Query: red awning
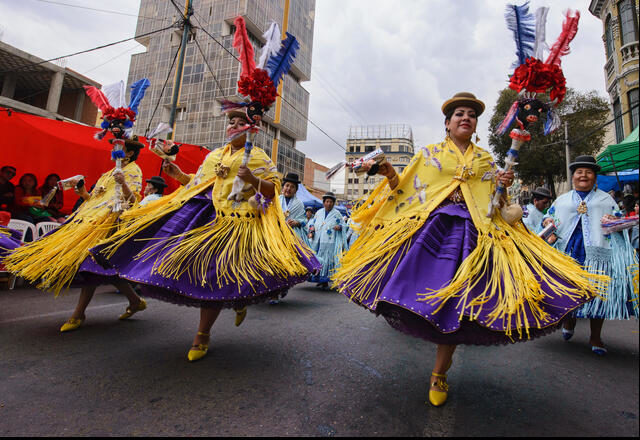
43	146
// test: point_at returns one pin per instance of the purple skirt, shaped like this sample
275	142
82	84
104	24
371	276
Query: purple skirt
195	213
435	252
7	244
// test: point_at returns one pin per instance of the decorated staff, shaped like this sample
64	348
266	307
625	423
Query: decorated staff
532	76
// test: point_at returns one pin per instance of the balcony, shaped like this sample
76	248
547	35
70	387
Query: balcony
629	52
610	69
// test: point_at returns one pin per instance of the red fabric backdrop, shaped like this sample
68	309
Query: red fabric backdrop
43	146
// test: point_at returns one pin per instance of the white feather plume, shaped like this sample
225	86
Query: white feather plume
272	46
541	30
162	129
115	94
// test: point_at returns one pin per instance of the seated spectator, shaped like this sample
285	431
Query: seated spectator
6	187
27	205
55	205
154	189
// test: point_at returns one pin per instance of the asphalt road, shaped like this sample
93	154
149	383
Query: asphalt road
313	365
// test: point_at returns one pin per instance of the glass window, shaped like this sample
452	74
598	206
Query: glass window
627	22
633	106
608	32
617	114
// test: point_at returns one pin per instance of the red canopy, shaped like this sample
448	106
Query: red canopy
43	146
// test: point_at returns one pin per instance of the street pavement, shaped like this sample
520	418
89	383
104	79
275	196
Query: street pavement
314	365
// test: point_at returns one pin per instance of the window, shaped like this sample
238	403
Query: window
350	181
369	148
386	148
628	24
633	106
617	114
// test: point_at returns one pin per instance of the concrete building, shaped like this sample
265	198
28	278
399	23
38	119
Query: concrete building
396	140
199	120
314	178
620	37
31	85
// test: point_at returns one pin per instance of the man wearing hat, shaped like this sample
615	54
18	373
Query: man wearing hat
327	239
154	189
541	198
577	215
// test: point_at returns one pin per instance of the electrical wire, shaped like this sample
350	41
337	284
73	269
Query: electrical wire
103	10
110	59
32	65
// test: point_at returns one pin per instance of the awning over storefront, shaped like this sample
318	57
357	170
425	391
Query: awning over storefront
622	156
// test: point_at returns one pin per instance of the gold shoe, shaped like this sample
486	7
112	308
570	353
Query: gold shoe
198	351
240	315
71	324
130	312
439	397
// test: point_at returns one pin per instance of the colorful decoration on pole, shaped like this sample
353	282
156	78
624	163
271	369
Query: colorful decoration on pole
118	120
531	77
258	83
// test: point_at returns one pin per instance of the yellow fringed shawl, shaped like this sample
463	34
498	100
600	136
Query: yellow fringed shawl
54	260
245	243
511	256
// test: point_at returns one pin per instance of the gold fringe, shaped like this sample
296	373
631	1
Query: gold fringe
53	261
510	258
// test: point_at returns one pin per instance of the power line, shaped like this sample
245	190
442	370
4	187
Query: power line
102	10
89	50
111	59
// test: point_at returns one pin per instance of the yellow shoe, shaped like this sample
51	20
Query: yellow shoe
130	312
71	324
198	351
240	315
439	397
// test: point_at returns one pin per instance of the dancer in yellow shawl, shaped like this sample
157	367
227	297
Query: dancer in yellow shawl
435	266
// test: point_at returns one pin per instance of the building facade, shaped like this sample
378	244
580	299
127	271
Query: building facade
314	178
31	85
396	140
620	38
198	120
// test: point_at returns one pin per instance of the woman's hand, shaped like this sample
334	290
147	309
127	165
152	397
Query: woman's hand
171	169
546	222
608	218
386	169
505	177
82	192
245	174
337	228
293	223
118	176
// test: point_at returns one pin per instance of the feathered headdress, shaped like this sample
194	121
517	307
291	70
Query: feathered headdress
259	83
110	101
532	76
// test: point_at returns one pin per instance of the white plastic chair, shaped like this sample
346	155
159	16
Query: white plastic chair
45	227
23	226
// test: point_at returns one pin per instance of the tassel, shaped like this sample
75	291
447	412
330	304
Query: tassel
508	119
242	44
98	98
561	47
115	94
138	90
272	45
541	33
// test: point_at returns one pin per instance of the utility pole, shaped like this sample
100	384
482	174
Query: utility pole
566	152
186	28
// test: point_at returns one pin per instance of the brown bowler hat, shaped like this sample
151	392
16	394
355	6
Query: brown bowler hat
463	99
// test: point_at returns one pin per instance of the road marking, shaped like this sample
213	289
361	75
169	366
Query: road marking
65	312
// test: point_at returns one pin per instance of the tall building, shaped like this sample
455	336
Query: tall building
199	120
620	23
396	140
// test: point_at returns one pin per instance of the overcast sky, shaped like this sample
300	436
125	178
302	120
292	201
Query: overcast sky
374	61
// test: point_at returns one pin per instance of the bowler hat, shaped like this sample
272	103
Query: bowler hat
463	99
329	195
157	181
541	192
584	162
292	177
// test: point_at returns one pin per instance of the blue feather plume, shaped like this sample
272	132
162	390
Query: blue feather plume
523	25
280	63
138	89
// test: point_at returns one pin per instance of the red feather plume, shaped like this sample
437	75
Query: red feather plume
98	98
561	47
243	45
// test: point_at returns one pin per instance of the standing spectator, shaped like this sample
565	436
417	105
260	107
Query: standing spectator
55	205
154	189
7	188
535	211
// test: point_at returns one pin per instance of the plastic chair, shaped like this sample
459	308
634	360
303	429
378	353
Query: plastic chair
23	226
45	227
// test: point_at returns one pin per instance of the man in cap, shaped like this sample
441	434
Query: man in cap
578	215
154	189
541	199
327	239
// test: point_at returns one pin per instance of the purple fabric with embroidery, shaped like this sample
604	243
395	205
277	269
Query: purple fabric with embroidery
434	255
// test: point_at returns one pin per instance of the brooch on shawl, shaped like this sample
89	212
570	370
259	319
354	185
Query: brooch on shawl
463	173
221	170
582	208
